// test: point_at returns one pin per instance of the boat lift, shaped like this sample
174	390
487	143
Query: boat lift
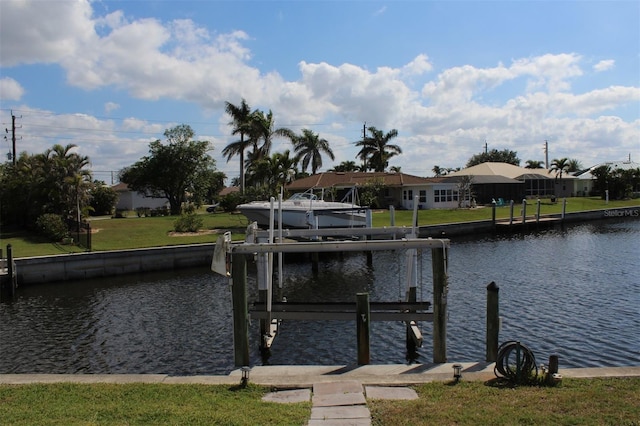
230	260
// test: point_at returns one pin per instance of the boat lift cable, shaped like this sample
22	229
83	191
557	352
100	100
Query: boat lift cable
515	362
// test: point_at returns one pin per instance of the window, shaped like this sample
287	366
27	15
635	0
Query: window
423	196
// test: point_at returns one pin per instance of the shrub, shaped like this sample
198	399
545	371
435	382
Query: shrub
52	226
188	223
230	201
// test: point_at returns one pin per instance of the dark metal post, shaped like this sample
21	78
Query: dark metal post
440	290
240	310
363	314
493	322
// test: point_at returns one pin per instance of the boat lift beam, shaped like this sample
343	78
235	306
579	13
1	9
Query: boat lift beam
337	246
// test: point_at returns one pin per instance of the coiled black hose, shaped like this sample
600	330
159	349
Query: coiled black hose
516	363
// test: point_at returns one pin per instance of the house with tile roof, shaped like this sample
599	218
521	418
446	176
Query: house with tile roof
400	189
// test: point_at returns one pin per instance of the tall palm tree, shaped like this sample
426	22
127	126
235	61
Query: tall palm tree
309	147
262	129
241	120
376	150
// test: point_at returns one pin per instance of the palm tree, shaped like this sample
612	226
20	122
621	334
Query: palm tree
262	128
309	147
376	151
560	165
270	173
533	164
67	178
345	166
574	165
241	120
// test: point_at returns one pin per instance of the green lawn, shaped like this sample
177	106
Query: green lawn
138	232
606	401
143	404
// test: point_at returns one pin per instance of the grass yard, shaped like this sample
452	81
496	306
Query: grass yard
575	402
606	401
139	232
143	404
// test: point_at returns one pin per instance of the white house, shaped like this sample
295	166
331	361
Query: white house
132	200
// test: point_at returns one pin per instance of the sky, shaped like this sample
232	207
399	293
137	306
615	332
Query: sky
452	77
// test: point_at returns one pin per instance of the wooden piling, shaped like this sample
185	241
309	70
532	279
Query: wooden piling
440	290
363	314
493	322
524	211
240	310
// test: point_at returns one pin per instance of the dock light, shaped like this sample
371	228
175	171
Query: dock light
245	375
457	372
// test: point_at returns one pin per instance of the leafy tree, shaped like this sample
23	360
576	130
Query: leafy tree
494	156
215	186
55	182
464	187
619	182
370	192
103	198
179	171
376	151
345	166
241	120
309	148
533	164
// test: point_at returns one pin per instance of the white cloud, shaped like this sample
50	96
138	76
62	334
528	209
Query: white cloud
444	123
10	89
110	107
604	65
43	31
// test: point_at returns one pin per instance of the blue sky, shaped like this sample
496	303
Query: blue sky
111	76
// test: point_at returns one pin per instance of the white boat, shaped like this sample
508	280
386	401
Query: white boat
306	210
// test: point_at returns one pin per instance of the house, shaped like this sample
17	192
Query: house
400	189
583	184
492	181
132	200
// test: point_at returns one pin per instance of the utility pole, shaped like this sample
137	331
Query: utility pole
486	147
546	154
364	137
13	137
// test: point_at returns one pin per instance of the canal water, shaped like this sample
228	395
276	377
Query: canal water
573	292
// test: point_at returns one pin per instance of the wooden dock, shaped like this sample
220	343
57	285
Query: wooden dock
517	224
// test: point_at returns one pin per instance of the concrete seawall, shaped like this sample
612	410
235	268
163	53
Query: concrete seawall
79	266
